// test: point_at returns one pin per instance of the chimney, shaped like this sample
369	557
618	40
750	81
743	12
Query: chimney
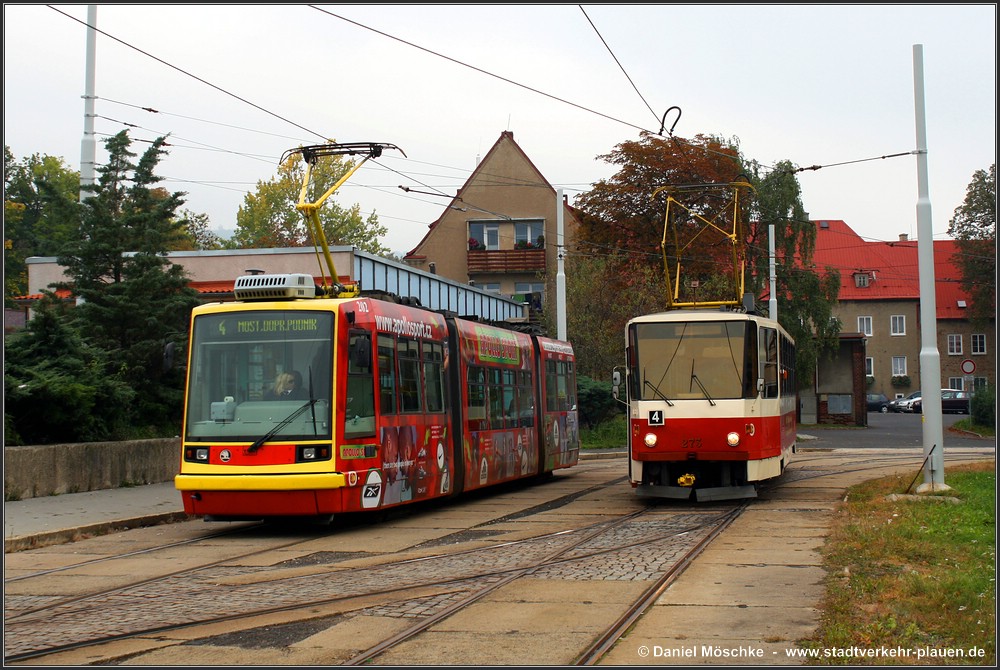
903	237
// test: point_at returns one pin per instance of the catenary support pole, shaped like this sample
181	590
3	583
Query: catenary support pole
930	359
772	301
88	148
560	272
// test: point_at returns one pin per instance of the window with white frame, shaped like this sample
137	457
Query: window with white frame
528	235
898	366
869	366
978	344
897	324
484	235
956	383
861	279
954	345
865	325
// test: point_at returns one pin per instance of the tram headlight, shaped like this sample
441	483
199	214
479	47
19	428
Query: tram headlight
733	439
200	454
650	440
310	453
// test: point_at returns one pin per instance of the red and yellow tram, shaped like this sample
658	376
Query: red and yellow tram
389	403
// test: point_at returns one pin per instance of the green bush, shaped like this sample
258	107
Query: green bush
595	402
984	411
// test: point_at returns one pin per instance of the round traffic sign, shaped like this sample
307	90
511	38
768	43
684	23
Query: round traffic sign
968	366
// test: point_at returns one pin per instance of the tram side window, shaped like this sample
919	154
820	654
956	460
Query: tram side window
496	399
434	376
510	404
788	382
769	361
523	413
475	410
560	386
409	375
387	374
359	418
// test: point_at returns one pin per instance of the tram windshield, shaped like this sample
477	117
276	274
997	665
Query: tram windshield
688	360
251	371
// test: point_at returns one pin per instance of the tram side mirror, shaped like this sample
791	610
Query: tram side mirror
616	383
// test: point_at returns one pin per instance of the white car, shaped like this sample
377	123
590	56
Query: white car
903	404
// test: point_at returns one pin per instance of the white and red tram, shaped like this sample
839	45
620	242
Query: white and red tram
711	401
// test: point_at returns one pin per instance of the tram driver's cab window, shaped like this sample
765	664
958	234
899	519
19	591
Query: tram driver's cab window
359	415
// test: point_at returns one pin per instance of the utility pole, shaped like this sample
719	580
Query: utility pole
560	272
88	148
930	359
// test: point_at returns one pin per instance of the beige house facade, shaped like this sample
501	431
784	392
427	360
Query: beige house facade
500	232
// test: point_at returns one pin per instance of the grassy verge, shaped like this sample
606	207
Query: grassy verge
917	575
608	435
968	425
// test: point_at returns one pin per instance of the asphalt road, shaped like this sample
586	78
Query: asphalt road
890	431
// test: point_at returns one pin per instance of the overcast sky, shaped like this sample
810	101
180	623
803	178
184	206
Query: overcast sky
236	86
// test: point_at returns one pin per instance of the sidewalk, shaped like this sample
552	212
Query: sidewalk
39	522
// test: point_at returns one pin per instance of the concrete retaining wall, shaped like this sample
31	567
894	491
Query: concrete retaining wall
45	470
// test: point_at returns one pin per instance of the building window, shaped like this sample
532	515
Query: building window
956	383
865	325
492	287
978	344
897	324
861	279
528	235
898	366
954	345
870	366
523	288
484	235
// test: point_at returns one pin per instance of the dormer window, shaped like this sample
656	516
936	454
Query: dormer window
862	279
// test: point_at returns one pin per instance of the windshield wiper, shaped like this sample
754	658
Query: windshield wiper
704	390
657	391
274	431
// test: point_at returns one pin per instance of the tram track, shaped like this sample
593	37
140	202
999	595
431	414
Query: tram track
474	569
228	572
535	554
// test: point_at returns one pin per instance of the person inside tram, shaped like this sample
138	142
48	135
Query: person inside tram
288	386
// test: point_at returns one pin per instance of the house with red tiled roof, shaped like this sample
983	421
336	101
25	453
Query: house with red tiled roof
500	231
880	298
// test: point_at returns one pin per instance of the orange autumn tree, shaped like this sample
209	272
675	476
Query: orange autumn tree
623	223
625	214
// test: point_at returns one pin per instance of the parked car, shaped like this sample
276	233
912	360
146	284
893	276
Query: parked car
952	401
899	404
877	402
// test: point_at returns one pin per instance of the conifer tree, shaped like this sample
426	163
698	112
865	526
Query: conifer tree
131	301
